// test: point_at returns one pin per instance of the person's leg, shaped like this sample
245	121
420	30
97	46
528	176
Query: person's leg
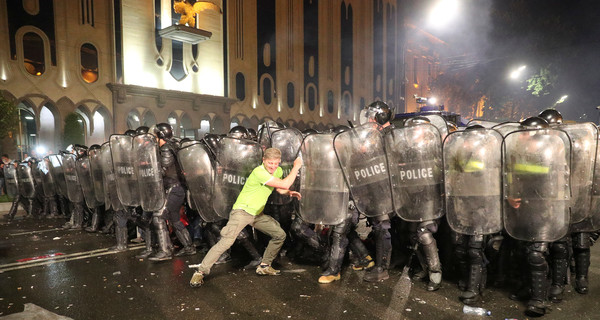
269	226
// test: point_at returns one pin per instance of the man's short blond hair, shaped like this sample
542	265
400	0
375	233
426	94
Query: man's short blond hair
272	153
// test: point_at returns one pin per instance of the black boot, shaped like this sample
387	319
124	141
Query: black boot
559	276
121	235
582	264
13	209
108	228
164	242
148	241
188	248
536	306
472	294
95	222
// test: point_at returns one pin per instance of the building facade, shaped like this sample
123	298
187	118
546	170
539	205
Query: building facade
124	63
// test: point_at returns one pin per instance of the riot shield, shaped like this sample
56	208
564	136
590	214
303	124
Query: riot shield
84	174
484	123
147	166
58	174
47	180
25	177
472	179
324	191
37	174
536	172
11	180
507	127
414	156
288	141
95	156
199	173
74	192
361	156
235	161
123	167
111	198
583	157
440	123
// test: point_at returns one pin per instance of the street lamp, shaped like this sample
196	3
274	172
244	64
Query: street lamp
517	73
442	13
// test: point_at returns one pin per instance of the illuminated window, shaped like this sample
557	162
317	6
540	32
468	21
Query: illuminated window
33	54
89	63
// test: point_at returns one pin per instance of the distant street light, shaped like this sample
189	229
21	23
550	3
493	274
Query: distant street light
561	100
517	73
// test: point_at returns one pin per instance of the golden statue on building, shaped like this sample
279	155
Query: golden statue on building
188	11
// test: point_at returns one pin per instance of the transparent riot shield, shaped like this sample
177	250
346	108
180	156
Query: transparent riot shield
536	172
484	123
583	157
414	155
324	191
288	141
58	174
47	180
472	178
147	166
11	180
440	123
95	156
361	155
74	192
121	150
507	127
25	177
199	173
235	161
84	174
592	222
110	183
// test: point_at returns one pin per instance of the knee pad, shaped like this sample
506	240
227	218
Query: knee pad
475	255
560	250
178	225
536	259
424	235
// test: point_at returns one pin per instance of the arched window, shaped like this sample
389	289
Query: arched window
172	120
149	119
89	63
217	126
33	54
98	136
234	123
27	133
187	130
204	127
133	120
47	128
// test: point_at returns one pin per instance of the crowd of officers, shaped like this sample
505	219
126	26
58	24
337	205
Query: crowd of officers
502	193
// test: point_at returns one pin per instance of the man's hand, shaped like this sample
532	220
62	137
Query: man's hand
298	163
295	194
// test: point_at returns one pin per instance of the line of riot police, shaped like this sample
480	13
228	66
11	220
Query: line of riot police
527	190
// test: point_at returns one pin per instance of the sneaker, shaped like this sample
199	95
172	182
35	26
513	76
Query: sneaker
197	279
329	278
376	274
266	270
186	251
364	263
253	264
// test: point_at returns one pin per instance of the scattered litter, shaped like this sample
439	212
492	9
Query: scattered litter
152	273
33	275
116	273
56	308
56	238
182	309
289	317
304	296
559	309
18	288
233	313
408	309
345	311
10	304
69	306
422	302
197	309
24	297
267	311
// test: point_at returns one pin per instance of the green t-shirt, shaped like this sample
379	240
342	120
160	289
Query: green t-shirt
255	193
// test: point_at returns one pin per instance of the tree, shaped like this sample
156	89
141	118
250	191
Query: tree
73	130
9	120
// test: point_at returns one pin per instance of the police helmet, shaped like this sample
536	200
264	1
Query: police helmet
252	133
239	132
142	130
308	131
163	131
535	123
377	111
340	128
414	121
552	116
130	133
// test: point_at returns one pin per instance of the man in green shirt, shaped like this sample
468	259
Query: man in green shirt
248	209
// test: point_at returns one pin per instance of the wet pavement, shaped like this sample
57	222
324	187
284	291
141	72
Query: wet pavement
74	276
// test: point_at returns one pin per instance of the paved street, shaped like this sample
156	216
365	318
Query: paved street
75	277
